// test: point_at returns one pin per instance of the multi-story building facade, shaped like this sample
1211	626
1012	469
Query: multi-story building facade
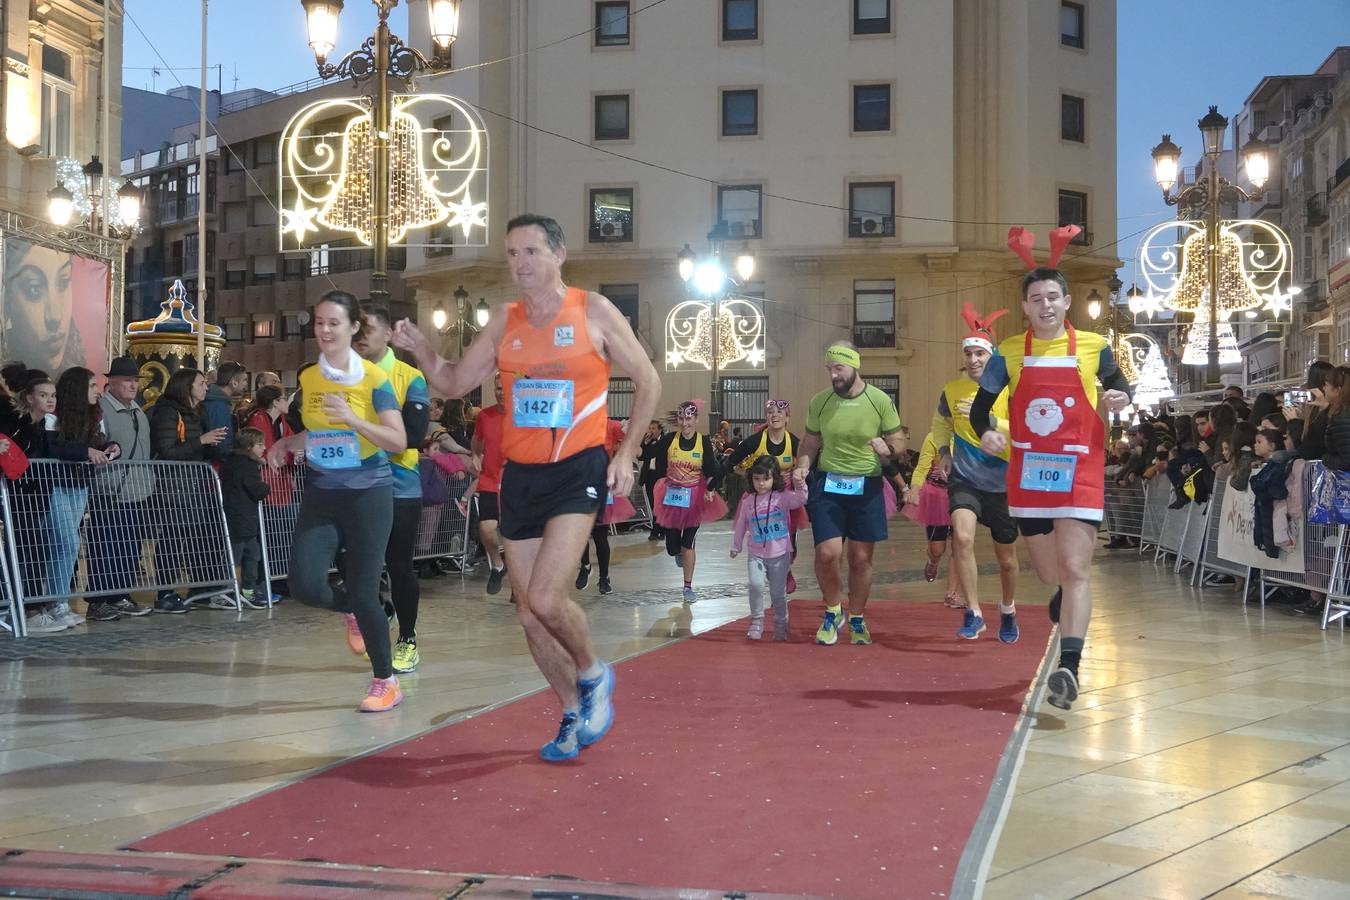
871	154
1305	119
54	94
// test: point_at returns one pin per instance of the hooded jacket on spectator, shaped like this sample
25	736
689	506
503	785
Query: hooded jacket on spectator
1335	441
218	412
241	488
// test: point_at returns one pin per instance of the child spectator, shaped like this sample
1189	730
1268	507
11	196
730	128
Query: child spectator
242	488
764	513
1268	486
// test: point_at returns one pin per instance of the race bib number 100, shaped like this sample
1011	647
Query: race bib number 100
1050	472
540	403
332	449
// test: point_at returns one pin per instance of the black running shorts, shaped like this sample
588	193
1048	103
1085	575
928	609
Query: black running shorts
530	495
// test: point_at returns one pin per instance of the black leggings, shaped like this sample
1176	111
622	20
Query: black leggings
677	540
599	534
398	561
358	522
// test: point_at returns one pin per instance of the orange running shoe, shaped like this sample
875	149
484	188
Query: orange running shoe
354	639
384	695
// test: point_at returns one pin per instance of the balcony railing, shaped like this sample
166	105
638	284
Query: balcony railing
874	335
1317	209
1342	173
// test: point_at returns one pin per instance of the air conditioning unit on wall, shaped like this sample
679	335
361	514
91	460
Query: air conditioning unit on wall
611	230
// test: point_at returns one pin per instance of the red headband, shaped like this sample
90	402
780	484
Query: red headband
1020	241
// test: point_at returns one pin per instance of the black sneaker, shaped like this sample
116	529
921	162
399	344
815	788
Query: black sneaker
1053	608
583	578
495	577
1062	688
171	603
101	611
125	606
605	586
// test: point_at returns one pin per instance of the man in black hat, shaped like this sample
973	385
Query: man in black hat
117	517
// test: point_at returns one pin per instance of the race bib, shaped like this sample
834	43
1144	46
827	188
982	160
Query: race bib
678	496
539	403
1051	472
848	485
333	449
771	527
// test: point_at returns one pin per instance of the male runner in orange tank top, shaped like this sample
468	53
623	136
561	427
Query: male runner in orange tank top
553	347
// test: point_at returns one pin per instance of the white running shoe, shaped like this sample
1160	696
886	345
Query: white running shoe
44	623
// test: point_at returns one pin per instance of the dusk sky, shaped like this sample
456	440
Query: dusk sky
1174	60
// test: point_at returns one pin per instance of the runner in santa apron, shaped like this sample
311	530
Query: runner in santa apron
1056	469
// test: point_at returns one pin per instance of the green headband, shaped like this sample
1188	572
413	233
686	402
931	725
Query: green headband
845	355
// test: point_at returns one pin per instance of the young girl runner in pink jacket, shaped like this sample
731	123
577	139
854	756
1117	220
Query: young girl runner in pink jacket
764	513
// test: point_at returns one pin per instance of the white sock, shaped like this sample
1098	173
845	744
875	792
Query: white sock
1008	608
595	671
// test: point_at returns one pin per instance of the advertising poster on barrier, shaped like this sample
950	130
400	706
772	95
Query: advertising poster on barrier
1237	516
55	308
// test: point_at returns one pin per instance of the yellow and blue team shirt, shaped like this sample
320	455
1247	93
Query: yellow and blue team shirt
410	389
952	429
1095	361
369	397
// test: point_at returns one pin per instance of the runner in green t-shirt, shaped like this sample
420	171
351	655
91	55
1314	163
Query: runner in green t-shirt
854	427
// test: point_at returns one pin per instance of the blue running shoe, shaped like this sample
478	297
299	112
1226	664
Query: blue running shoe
564	746
972	626
597	709
1007	628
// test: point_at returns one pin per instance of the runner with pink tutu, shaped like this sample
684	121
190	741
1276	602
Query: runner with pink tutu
927	505
688	477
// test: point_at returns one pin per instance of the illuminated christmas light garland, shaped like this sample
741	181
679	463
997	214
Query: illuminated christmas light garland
740	334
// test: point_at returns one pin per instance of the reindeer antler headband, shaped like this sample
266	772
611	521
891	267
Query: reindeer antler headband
981	329
1020	241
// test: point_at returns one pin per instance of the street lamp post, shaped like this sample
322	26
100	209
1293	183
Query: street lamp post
1205	196
709	278
381	57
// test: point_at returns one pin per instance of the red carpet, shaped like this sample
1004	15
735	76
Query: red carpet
846	771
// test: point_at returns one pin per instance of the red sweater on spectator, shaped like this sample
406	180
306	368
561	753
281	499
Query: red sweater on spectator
488	431
280	481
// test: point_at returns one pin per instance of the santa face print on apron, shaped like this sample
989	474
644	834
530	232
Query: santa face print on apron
1058	439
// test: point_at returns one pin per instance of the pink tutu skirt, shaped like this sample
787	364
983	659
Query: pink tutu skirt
621	510
888	495
699	511
932	506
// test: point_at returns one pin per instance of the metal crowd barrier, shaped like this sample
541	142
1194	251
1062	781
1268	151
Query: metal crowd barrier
80	530
1173	530
1192	539
1212	567
1157	495
1123	515
442	531
10	601
1324	562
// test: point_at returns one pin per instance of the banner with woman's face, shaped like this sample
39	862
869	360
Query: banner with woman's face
54	308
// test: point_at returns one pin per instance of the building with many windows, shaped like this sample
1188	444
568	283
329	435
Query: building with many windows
1305	119
871	154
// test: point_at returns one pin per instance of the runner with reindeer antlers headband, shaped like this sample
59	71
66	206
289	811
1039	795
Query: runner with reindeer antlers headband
977	481
1055	472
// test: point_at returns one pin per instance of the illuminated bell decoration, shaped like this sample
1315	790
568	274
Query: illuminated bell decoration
740	334
437	176
413	202
1254	270
1192	290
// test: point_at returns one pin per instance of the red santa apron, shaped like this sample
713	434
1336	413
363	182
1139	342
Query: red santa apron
1058	440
